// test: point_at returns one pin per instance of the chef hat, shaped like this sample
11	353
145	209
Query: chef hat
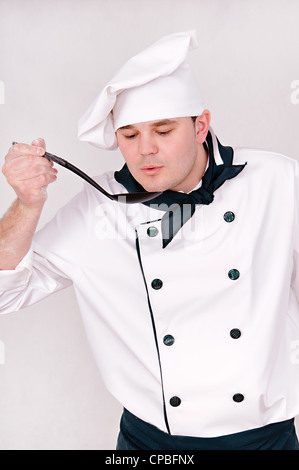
155	84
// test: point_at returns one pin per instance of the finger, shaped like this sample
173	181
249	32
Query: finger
17	150
33	172
29	178
26	185
22	162
45	180
39	142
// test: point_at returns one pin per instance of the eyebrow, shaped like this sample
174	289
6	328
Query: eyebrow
163	122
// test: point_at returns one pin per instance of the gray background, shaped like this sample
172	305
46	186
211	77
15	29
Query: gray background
55	56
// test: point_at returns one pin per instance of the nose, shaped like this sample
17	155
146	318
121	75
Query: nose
147	145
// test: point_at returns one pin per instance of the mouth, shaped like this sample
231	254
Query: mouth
151	170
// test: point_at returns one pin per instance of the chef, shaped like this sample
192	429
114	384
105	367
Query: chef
190	300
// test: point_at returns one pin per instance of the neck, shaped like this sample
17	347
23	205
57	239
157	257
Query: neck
197	171
202	163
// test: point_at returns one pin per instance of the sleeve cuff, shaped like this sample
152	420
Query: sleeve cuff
13	279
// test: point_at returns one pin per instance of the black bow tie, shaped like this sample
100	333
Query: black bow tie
180	207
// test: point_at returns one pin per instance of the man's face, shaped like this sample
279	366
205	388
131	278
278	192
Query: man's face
164	154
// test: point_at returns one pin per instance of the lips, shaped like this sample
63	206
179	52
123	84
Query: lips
151	170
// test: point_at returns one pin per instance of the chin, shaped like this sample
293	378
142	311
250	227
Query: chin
152	188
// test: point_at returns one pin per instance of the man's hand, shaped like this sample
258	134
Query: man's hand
29	173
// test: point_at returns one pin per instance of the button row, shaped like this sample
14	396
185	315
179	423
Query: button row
152	231
176	401
168	340
233	274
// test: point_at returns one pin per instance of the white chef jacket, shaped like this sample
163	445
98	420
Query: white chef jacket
211	347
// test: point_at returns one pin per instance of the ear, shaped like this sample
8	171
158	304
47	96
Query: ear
202	125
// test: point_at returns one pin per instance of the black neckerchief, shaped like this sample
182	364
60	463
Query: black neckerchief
179	206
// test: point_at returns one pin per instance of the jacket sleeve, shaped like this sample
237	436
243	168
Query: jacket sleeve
54	257
33	279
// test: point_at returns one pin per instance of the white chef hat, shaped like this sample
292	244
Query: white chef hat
155	84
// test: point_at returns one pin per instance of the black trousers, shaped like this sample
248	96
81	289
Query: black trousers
136	434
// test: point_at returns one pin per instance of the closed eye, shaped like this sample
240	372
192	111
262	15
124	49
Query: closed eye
131	136
164	132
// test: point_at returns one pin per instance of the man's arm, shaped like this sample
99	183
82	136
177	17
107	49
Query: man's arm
29	175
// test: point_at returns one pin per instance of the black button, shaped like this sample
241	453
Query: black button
168	340
157	284
229	216
235	333
233	274
238	397
152	232
175	401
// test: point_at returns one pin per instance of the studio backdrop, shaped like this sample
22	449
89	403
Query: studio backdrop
55	56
